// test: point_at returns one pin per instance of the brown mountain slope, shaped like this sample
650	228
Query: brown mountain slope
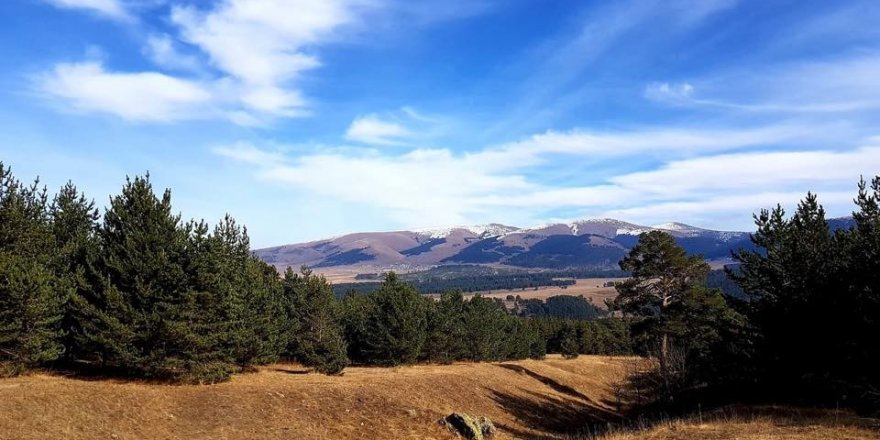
486	244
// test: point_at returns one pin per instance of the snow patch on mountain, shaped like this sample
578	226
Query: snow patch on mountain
487	230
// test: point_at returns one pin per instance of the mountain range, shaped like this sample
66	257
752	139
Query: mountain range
591	243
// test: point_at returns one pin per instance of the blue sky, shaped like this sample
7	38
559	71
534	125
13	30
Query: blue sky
307	118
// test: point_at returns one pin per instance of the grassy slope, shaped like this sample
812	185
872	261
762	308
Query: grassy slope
527	399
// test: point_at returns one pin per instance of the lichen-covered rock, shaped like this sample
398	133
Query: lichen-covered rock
469	427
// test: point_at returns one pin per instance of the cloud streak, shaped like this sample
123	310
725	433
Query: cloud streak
494	184
112	9
256	54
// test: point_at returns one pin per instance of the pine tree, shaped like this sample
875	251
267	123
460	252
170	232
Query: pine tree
485	324
396	327
446	329
319	342
74	227
791	279
662	273
861	352
569	345
140	320
357	310
31	298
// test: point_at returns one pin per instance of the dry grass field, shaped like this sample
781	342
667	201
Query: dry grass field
768	423
525	399
591	288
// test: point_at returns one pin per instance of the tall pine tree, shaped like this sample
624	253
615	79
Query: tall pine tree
318	341
31	298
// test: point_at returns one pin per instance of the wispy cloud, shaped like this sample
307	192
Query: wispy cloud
600	31
845	84
142	96
371	129
451	188
113	9
162	50
666	92
257	50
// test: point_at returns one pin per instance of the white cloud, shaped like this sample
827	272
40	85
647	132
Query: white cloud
730	211
109	8
243	152
754	171
263	44
437	186
846	84
258	50
371	129
162	50
647	142
143	96
666	92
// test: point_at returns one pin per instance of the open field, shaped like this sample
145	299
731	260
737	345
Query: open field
765	423
525	399
591	288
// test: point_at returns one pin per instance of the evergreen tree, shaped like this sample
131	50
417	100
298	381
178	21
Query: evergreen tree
396	327
31	298
319	342
446	329
485	323
357	310
661	274
861	352
264	331
803	274
143	320
74	226
790	280
568	341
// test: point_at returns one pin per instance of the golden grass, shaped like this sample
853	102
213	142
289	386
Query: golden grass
765	423
525	399
590	288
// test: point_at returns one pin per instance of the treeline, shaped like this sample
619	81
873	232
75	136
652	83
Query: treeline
559	306
396	325
467	283
140	292
137	291
803	326
469	278
815	301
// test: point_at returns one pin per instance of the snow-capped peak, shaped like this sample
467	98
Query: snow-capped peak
675	226
488	230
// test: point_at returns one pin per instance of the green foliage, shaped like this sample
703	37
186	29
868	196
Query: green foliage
395	327
30	311
74	225
814	298
446	329
560	306
318	342
31	296
662	274
485	324
568	342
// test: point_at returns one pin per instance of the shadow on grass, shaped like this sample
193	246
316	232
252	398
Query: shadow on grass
299	371
550	382
93	372
573	413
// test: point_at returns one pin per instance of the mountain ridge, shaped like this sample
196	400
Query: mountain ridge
592	243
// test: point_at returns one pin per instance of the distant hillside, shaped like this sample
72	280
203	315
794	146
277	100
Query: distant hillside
592	243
